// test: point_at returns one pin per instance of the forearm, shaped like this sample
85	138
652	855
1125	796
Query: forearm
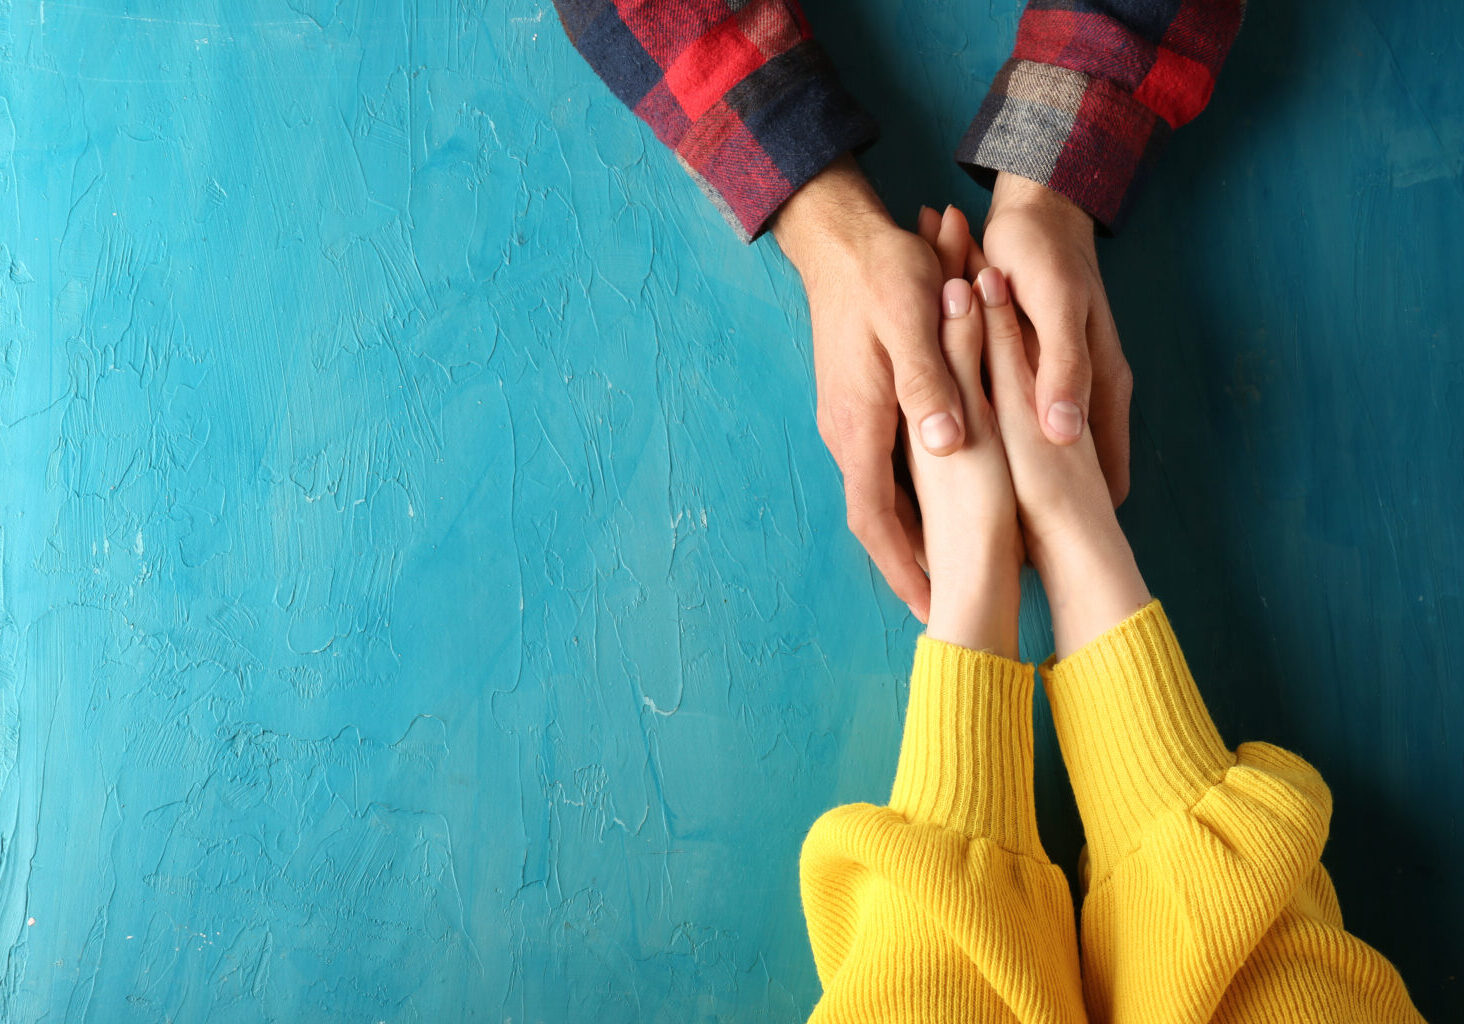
1091	587
1088	571
978	608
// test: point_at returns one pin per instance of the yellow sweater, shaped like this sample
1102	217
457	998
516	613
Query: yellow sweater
1205	899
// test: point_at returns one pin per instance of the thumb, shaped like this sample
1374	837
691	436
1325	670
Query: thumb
1064	375
928	396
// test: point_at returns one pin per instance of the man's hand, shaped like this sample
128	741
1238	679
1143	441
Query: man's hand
874	301
1044	246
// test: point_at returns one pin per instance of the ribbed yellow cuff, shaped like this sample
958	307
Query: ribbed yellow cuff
1134	732
966	758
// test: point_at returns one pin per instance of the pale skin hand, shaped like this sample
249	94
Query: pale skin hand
1043	245
972	543
1071	533
873	297
1008	471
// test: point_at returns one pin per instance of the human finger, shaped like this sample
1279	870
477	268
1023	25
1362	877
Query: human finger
923	386
907	506
1113	388
952	241
927	225
960	328
909	517
1006	351
961	331
1064	373
975	260
867	438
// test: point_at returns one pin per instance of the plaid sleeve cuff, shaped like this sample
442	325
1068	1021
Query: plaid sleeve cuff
738	89
767	135
1083	137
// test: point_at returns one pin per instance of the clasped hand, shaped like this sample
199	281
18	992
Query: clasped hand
874	295
1007	493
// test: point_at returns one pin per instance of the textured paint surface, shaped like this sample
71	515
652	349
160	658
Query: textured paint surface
425	596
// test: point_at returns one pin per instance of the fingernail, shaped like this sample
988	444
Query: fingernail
1065	418
993	287
957	297
939	430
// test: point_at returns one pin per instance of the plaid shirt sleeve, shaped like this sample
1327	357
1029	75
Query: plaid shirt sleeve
1093	90
738	89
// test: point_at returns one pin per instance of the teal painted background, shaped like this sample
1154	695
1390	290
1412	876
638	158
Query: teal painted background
425	597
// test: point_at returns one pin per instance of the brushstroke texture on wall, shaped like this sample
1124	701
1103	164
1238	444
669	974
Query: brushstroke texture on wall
425	597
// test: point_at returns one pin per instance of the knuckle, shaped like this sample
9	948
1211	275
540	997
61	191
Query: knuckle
1004	329
1066	353
894	288
1071	322
922	387
960	342
1066	367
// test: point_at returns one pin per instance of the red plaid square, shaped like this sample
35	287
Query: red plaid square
711	65
1176	88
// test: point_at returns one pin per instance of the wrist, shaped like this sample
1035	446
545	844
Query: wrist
1012	192
1091	579
976	605
836	205
1063	538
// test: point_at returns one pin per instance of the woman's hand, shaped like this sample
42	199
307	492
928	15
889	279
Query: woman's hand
972	542
1068	524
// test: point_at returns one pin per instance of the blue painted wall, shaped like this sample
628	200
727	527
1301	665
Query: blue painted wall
424	594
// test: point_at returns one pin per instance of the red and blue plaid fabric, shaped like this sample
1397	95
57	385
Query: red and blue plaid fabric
753	109
1093	90
737	88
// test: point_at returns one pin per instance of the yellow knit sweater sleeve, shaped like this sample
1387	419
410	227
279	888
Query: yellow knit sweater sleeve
1206	899
943	906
